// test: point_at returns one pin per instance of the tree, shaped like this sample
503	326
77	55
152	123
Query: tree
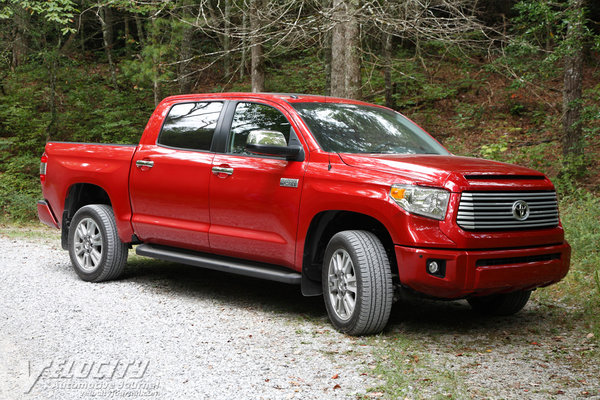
345	50
354	22
105	17
256	47
573	80
549	39
338	49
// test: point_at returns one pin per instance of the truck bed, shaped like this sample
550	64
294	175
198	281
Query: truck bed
104	165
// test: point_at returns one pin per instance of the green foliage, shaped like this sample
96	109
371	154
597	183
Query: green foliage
88	111
495	151
296	74
572	170
59	12
19	188
467	115
580	215
540	39
151	63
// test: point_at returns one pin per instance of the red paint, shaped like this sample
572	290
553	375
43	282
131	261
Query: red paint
181	202
45	215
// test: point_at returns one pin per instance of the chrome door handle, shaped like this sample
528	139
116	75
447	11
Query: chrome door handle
144	163
222	170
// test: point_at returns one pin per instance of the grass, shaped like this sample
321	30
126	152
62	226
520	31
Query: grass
408	371
30	230
580	216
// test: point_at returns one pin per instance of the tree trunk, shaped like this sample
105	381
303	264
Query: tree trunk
81	27
156	87
19	44
52	128
184	74
338	50
326	48
345	50
258	62
106	40
387	71
140	29
327	62
127	34
110	26
226	39
352	36
573	80
244	43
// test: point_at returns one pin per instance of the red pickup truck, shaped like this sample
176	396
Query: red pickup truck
349	200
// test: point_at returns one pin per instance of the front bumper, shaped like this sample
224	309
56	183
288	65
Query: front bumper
482	272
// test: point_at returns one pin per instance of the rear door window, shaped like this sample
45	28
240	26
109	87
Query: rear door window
191	125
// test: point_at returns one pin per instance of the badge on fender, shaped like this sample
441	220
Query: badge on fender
288	182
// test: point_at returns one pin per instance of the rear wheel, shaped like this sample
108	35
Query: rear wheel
500	304
96	252
357	283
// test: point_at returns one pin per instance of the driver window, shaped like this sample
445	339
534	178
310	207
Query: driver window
250	117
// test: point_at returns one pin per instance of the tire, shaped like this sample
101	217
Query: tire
357	283
97	254
500	304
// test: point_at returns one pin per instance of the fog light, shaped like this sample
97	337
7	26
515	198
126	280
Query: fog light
433	267
436	268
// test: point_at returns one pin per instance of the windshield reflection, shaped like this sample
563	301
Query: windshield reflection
350	128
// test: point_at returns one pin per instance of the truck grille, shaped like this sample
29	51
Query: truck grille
507	210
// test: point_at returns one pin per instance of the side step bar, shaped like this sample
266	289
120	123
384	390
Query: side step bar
219	263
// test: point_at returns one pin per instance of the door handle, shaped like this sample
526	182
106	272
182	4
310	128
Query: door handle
222	170
144	163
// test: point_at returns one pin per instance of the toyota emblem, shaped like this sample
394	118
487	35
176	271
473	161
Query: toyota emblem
520	210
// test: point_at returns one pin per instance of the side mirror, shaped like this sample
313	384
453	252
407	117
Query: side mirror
273	143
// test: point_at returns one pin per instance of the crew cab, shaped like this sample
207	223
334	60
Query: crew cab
346	199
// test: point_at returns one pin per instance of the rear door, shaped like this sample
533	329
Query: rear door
255	199
170	179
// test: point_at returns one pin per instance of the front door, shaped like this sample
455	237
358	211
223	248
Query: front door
255	199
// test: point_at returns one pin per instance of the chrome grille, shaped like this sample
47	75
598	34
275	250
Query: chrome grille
494	210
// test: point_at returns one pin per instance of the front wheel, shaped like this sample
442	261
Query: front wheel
500	304
96	252
357	283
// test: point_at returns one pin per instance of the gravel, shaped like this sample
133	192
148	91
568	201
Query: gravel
170	331
164	331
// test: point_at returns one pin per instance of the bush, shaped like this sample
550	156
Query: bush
580	215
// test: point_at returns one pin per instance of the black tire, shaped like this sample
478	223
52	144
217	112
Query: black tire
97	254
373	290
500	304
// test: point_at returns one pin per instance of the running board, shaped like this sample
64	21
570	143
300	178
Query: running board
219	263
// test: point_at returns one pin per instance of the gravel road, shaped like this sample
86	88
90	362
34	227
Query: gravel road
169	331
164	331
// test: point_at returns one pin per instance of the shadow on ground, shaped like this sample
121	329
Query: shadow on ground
409	316
230	289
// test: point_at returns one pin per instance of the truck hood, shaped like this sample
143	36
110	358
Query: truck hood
452	172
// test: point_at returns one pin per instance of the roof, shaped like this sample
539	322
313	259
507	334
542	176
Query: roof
287	97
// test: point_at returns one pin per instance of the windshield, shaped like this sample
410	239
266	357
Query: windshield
350	128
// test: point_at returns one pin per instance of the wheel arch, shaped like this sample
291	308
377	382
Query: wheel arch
80	195
322	227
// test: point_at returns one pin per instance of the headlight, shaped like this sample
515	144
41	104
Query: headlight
425	201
